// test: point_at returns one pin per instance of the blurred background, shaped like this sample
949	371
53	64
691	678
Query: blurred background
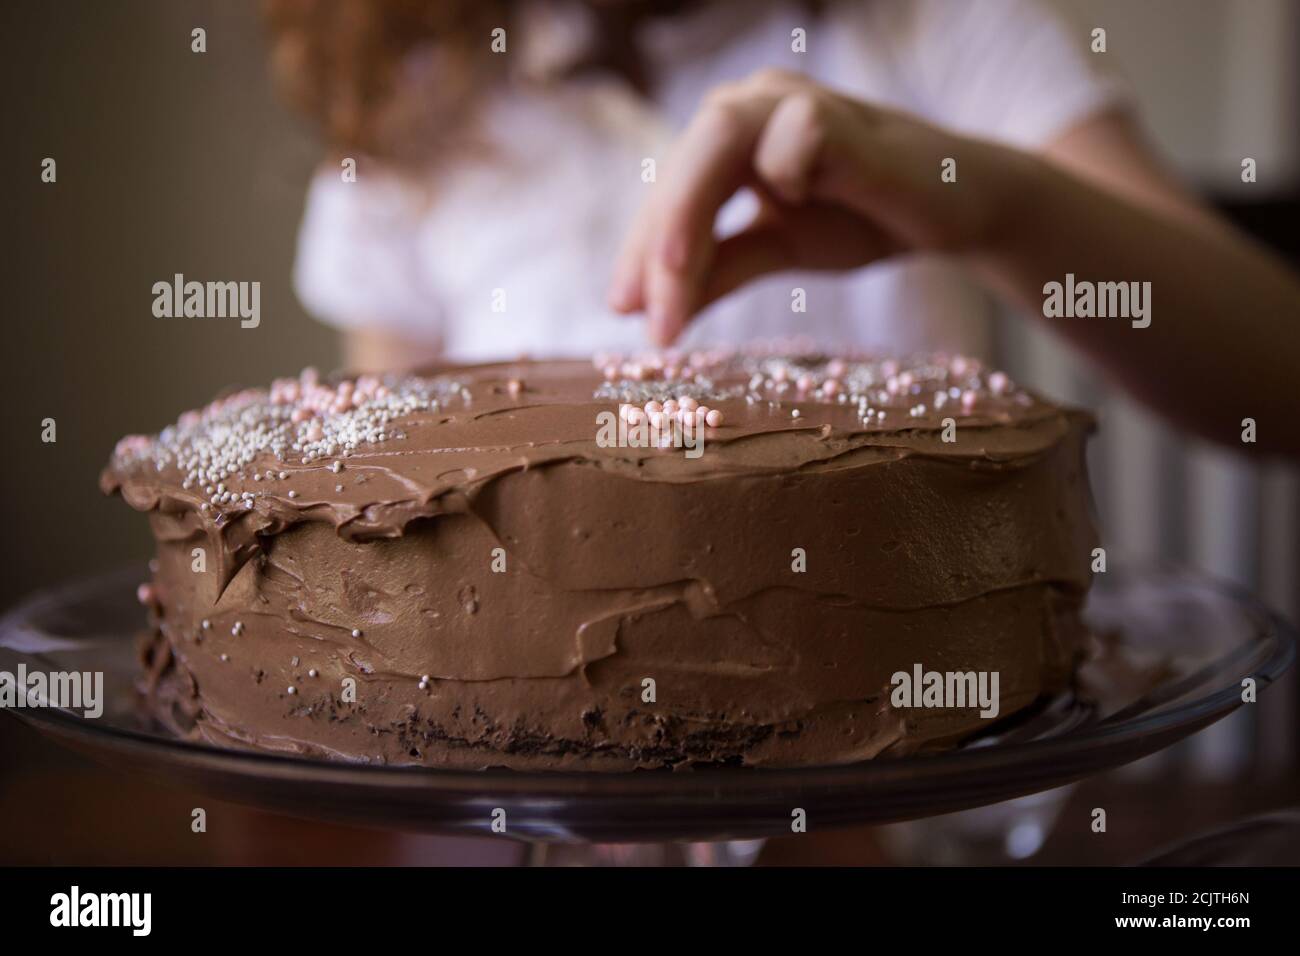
170	162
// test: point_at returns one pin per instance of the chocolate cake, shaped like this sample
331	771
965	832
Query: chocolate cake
677	561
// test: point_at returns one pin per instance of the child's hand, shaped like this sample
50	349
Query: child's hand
840	183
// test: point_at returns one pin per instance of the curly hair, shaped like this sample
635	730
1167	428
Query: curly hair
342	63
399	79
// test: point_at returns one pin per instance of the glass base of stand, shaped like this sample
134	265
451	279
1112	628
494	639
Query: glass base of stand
717	853
1008	832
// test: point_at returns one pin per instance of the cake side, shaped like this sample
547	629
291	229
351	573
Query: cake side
499	584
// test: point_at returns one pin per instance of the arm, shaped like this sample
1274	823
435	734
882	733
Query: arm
843	184
374	349
1224	338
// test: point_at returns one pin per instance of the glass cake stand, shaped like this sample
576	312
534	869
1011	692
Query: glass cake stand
1173	650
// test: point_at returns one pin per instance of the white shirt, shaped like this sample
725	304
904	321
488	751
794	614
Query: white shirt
536	227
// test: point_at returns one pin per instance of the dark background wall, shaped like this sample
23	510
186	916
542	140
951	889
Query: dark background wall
168	161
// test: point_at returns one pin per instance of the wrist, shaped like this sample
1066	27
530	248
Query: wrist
1013	186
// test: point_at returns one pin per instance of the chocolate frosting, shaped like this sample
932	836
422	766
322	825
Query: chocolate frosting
504	586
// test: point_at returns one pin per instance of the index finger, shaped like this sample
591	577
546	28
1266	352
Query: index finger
712	161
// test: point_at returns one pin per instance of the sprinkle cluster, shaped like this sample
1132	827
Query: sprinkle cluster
301	420
670	365
874	388
684	411
879	388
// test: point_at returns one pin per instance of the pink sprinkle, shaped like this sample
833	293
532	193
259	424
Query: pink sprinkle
652	406
610	372
830	386
968	399
514	386
300	415
315	432
805	382
998	383
133	443
688	404
713	418
670	407
144	594
835	368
